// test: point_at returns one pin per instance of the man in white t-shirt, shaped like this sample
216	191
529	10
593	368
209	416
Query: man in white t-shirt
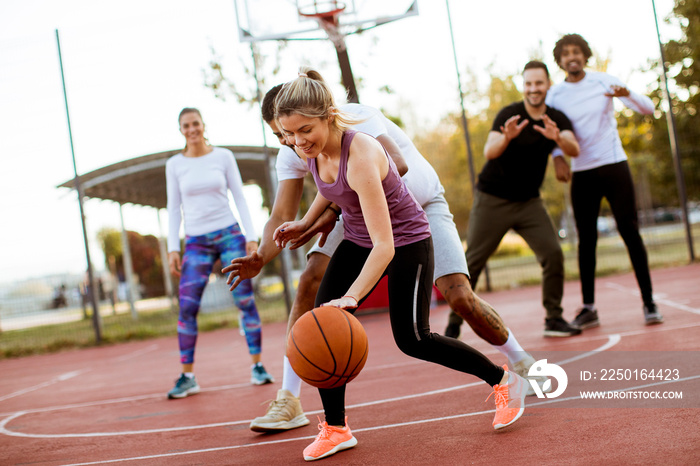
600	170
451	272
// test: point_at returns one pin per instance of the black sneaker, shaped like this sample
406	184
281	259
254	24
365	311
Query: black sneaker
558	327
586	318
454	322
652	315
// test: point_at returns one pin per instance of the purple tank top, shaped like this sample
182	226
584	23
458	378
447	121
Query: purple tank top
408	221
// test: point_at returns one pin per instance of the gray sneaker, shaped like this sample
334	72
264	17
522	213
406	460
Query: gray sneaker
184	386
522	368
284	413
259	376
586	318
652	315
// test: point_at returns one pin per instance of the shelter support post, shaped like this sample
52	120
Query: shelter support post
128	268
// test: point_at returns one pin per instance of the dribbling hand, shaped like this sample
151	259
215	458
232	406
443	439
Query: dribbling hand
346	302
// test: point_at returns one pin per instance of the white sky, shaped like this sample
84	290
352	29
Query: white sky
130	67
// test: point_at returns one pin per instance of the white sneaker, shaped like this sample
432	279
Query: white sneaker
522	368
284	413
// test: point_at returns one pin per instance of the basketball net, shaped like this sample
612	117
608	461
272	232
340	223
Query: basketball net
326	15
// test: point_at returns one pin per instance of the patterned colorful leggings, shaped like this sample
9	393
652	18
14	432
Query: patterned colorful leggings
200	254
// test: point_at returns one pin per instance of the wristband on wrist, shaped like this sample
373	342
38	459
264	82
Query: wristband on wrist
336	211
357	303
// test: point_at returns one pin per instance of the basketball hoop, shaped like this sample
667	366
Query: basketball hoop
326	11
326	14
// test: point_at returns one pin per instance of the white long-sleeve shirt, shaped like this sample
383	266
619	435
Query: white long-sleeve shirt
593	118
197	189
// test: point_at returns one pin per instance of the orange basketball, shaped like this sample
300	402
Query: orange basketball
327	347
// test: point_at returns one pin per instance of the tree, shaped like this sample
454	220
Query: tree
445	146
683	64
146	259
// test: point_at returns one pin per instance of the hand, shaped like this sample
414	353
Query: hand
511	129
174	263
346	302
324	225
243	268
562	170
287	232
251	247
550	130
618	91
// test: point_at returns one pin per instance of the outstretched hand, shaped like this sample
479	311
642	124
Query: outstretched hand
324	225
243	268
512	129
618	91
288	231
550	130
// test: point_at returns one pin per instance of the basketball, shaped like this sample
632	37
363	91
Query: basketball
327	347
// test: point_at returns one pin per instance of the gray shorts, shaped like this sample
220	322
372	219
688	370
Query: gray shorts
447	246
332	242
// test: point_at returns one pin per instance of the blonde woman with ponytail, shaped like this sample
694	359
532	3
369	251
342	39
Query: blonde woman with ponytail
386	232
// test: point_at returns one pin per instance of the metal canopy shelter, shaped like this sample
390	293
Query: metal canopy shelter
141	181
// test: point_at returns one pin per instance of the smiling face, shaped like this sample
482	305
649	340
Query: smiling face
192	127
309	135
572	60
535	86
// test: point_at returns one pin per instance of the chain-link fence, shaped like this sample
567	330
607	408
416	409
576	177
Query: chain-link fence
53	313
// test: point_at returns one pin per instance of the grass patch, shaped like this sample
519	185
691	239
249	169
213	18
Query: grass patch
120	328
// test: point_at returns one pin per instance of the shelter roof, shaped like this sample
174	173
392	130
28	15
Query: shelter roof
141	180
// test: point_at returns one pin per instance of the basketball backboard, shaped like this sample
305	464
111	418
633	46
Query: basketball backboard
261	20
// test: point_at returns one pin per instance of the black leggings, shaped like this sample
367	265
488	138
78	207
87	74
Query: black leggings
614	182
410	281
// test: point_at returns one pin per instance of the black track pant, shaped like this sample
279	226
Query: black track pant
410	278
588	188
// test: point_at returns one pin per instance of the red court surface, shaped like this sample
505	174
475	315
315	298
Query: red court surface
108	406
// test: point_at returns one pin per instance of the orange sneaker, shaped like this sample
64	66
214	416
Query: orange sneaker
329	441
510	400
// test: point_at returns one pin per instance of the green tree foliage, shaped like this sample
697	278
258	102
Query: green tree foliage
145	257
446	150
646	139
223	87
682	62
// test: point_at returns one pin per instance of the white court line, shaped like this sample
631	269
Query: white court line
60	378
659	298
70	375
365	429
116	400
612	340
